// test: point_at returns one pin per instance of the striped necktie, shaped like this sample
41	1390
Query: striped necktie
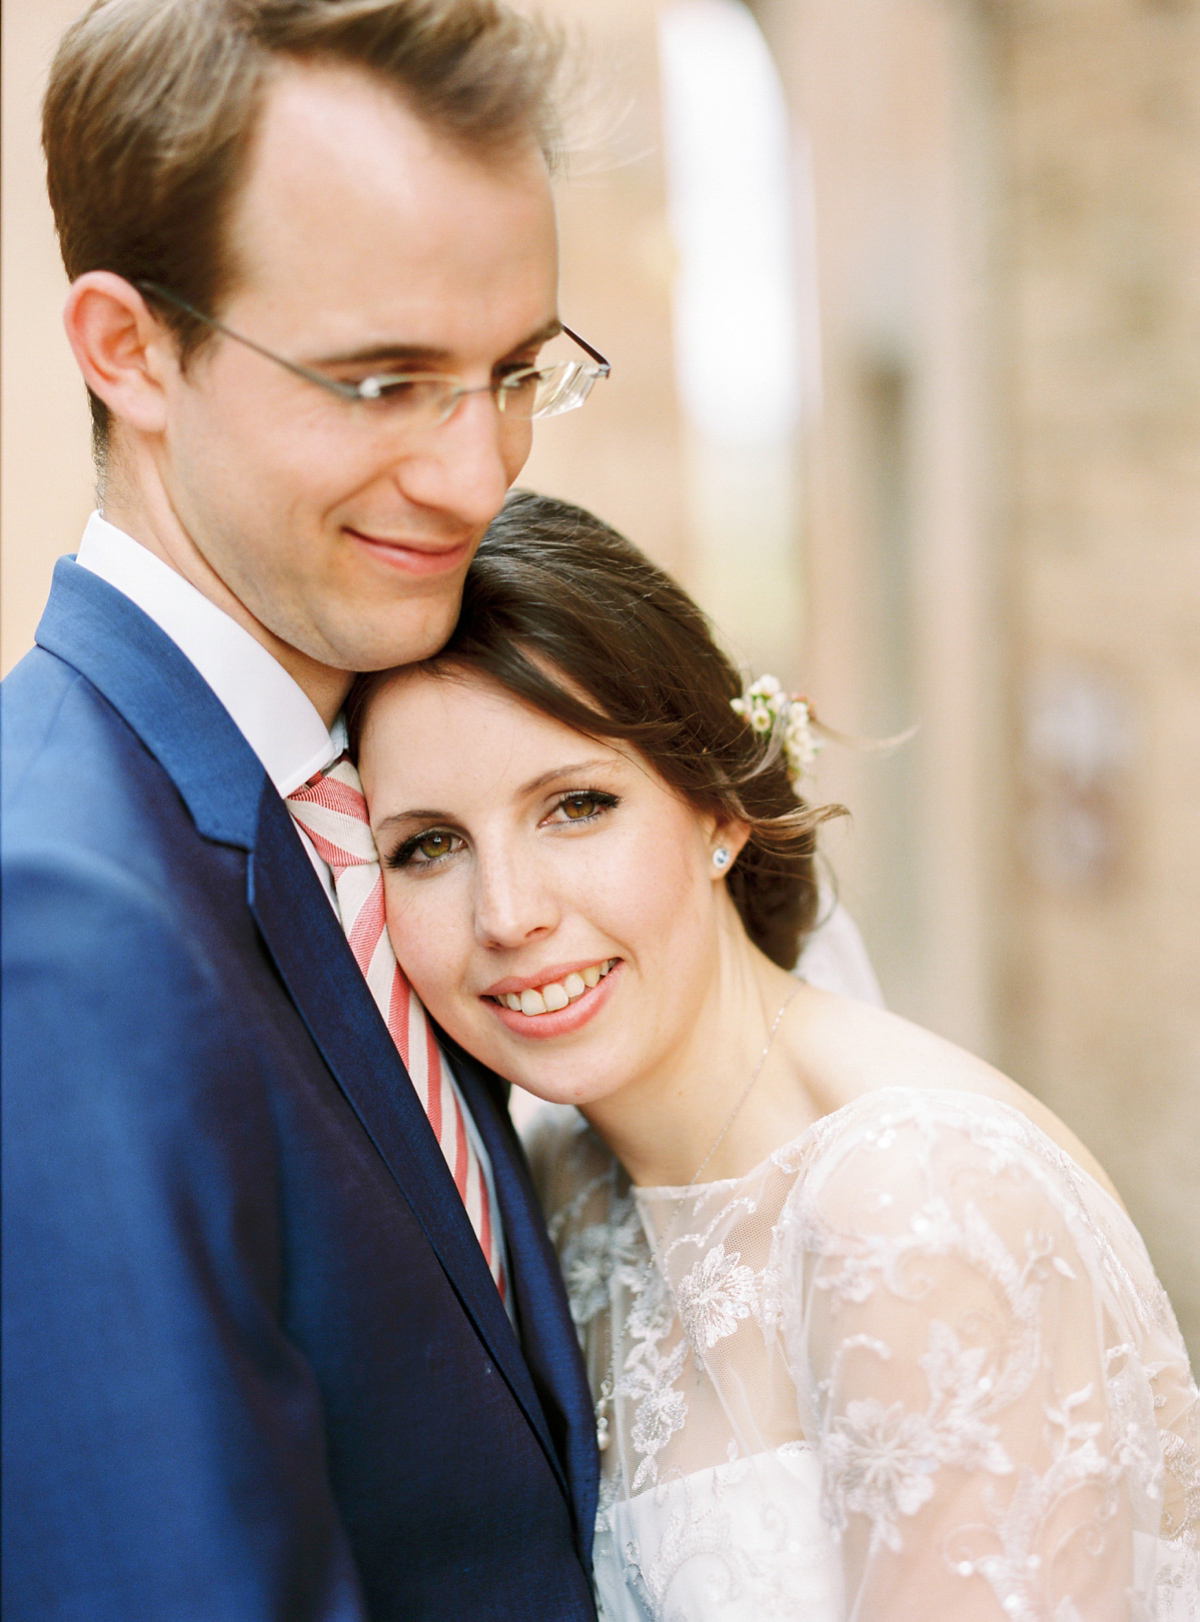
331	809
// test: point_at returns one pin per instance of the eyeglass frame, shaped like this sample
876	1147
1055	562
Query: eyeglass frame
372	387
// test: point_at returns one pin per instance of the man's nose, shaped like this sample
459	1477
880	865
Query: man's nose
465	466
514	903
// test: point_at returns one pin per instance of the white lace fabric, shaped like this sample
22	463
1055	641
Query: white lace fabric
916	1365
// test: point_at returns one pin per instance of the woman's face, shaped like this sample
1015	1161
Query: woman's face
551	900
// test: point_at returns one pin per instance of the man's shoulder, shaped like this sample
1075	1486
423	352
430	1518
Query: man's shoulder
81	790
53	717
31	701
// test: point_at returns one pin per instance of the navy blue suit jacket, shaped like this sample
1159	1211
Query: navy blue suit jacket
255	1365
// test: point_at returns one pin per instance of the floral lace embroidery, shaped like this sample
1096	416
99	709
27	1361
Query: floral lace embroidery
714	1297
600	1255
880	1462
649	1375
939	1188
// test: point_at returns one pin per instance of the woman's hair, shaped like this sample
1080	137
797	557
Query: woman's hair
568	616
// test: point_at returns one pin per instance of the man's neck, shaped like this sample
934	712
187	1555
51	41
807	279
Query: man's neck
325	687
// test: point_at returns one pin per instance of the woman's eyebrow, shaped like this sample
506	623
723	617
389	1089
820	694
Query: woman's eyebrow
411	816
570	770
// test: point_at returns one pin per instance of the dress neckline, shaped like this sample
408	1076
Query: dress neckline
824	1123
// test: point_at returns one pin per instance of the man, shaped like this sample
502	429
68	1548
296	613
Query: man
280	1341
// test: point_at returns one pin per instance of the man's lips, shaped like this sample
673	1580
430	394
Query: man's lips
411	556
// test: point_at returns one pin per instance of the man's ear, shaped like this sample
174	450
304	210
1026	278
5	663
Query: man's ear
124	351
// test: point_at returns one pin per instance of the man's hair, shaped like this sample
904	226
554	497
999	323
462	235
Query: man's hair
152	106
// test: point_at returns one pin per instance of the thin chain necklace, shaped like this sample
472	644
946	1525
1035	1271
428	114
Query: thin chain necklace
607	1385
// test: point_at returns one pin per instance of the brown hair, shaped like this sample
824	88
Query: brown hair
152	105
558	604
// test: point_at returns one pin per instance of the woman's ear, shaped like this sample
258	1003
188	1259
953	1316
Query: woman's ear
123	350
726	843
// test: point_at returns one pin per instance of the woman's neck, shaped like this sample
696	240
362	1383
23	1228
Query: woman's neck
675	1122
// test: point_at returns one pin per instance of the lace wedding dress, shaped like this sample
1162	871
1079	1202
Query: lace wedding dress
915	1365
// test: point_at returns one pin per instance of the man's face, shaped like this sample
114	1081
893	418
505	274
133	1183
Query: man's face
363	243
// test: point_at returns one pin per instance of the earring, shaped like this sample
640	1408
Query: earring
721	858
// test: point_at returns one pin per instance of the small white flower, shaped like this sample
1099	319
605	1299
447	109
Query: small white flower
766	706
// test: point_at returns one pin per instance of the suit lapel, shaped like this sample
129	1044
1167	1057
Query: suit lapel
552	1348
159	693
316	965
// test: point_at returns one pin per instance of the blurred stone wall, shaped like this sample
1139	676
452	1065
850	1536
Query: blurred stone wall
1098	969
1003	541
46	476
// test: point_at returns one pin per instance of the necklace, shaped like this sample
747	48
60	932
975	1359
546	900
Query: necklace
608	1383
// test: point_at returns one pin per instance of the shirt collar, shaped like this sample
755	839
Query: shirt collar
273	713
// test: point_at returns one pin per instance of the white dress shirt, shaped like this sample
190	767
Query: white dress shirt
270	709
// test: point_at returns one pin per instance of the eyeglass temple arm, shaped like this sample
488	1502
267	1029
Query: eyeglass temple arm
346	390
583	344
304	371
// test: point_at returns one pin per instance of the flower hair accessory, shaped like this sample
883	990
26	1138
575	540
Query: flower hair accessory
769	709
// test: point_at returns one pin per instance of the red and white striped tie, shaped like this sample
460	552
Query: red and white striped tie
331	809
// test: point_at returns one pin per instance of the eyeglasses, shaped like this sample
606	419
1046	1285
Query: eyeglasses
428	399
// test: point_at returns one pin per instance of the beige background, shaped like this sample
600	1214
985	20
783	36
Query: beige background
45	468
997	529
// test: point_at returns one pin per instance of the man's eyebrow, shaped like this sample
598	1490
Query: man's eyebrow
423	355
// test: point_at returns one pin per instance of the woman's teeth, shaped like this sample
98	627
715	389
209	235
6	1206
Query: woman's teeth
558	994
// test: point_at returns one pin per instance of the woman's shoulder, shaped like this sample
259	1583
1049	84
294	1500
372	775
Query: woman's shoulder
953	1288
920	1138
917	1195
852	1054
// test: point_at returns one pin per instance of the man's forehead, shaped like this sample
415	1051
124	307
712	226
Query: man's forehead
352	203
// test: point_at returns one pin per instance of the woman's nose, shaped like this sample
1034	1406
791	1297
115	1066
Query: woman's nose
513	902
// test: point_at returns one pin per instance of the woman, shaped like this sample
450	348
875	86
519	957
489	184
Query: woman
869	1332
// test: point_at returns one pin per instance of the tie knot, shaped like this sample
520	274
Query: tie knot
332	810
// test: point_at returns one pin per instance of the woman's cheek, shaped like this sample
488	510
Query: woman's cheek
422	930
659	889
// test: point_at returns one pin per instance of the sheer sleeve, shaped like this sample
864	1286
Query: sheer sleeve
1005	1417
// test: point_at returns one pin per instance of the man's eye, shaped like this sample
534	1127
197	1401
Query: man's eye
424	849
510	368
520	382
405	392
584	807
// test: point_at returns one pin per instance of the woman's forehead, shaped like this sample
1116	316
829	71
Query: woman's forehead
443	719
438	725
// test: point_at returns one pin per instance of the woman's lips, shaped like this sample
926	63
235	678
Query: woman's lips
562	1020
413	559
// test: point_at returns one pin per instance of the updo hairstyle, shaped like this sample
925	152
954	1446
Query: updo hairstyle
557	604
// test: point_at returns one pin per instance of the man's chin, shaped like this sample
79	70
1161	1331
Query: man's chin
406	642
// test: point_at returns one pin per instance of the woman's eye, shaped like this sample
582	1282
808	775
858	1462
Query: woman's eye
584	807
423	849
